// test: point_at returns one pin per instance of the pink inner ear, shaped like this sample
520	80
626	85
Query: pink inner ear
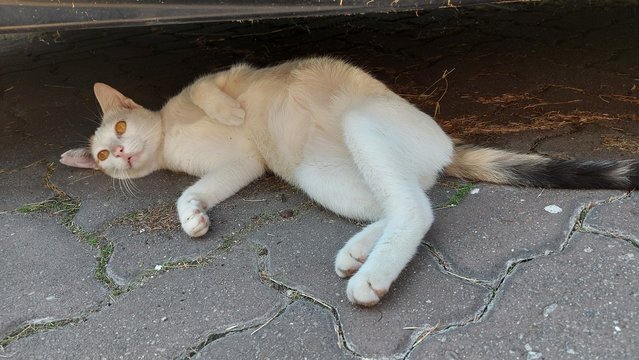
109	98
80	158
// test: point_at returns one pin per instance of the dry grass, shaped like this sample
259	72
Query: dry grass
158	218
619	142
622	98
505	99
433	95
553	120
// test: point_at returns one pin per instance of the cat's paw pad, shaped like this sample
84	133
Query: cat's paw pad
346	264
364	290
196	225
193	218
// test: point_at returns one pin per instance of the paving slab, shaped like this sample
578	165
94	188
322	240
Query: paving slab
301	255
616	218
173	314
488	230
303	331
580	304
614	139
47	274
26	184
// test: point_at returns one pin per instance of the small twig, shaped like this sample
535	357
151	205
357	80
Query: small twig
551	103
444	78
230	328
425	334
266	323
541	192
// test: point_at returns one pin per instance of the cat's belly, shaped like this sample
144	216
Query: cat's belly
281	144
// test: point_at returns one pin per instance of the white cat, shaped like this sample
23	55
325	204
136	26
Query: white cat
329	128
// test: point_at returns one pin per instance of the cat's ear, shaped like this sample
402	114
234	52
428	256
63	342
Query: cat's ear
111	99
80	157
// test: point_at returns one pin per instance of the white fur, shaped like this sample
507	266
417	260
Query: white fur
327	127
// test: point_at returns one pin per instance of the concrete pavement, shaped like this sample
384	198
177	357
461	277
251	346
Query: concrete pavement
91	271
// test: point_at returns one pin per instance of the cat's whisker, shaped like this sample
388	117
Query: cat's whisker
113	183
133	189
95	119
129	184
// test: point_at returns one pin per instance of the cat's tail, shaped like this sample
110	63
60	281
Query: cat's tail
476	163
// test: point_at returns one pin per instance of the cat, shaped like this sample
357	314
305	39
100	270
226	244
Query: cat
330	129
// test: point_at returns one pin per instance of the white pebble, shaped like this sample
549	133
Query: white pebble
553	209
549	309
533	355
474	191
158	267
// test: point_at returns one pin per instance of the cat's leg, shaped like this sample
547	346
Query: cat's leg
208	95
329	176
210	190
388	168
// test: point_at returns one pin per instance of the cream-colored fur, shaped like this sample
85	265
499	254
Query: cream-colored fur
321	124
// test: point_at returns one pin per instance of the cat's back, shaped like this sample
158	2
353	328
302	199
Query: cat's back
325	83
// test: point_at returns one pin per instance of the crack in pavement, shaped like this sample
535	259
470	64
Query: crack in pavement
612	233
632	240
294	294
511	267
193	351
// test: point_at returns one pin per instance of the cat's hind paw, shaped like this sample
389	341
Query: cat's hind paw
193	218
346	265
217	105
351	257
365	290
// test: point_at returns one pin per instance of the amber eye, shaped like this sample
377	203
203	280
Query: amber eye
103	155
120	127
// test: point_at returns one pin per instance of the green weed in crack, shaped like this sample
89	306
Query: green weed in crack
106	250
30	329
65	206
228	242
60	204
461	192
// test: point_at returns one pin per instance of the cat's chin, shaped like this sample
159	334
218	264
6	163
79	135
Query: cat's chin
131	173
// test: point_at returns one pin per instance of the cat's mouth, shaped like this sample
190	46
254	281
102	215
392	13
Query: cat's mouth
130	159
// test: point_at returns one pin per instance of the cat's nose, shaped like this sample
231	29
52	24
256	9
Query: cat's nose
118	151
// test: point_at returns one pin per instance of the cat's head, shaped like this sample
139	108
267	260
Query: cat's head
127	142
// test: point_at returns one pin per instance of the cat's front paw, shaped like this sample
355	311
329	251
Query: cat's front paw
366	288
193	217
